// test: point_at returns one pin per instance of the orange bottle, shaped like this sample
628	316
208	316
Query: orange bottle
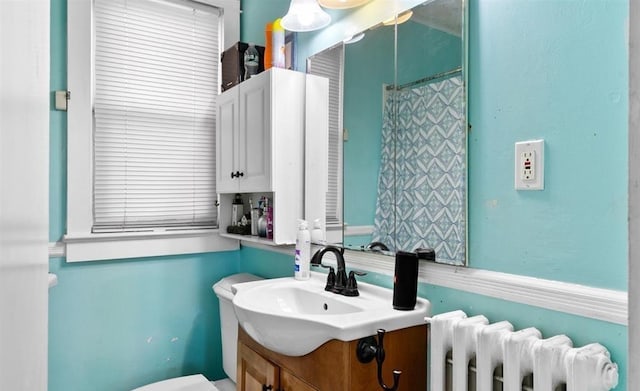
268	46
277	44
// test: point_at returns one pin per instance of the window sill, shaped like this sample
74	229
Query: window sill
333	233
106	246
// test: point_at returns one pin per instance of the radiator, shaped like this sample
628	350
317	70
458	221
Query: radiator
507	360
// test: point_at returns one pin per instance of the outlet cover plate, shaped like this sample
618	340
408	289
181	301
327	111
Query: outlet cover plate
529	165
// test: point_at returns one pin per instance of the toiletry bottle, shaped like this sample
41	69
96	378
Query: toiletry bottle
269	222
268	211
277	48
317	236
268	40
255	220
262	220
251	61
262	226
303	252
236	210
405	281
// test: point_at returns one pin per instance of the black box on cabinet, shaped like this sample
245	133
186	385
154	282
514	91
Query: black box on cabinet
232	61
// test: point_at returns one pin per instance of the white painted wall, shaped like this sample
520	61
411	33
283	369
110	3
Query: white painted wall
24	162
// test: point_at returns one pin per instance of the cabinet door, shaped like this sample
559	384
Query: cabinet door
288	382
228	125
255	373
254	152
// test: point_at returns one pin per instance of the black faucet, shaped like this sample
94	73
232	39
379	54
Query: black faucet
376	246
337	281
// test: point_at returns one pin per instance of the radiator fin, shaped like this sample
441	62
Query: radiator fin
469	354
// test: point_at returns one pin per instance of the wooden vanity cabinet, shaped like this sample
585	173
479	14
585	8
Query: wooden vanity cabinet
334	365
289	381
254	371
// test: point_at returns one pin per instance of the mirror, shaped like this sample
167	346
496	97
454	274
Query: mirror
404	119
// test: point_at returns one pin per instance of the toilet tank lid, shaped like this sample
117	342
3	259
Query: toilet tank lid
224	285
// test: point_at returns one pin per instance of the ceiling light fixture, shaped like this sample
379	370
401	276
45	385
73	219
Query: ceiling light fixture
305	15
342	4
401	18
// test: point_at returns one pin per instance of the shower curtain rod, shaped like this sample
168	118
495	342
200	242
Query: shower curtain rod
426	79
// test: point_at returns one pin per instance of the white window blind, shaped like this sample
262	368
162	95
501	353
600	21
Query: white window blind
329	64
156	83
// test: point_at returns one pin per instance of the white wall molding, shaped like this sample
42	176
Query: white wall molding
596	303
355	230
591	302
57	250
82	248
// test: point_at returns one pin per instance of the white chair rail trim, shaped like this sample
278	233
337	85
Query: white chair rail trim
591	302
596	303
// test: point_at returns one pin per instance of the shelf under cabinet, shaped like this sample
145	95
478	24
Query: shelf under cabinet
253	239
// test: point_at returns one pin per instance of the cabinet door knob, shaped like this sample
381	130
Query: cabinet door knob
236	174
266	387
240	173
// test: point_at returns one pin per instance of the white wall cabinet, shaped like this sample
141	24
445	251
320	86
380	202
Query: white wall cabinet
244	136
260	146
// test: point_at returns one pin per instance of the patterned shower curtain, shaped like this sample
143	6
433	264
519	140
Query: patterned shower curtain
422	181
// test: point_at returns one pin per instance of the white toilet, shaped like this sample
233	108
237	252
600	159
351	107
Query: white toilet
229	331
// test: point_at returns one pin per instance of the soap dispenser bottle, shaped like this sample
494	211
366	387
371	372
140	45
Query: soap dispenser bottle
302	267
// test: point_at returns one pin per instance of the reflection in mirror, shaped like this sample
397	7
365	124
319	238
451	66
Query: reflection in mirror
404	163
424	142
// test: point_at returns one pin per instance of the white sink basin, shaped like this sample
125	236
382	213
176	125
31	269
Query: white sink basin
294	317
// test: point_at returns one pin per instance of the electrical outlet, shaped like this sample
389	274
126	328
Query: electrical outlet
529	165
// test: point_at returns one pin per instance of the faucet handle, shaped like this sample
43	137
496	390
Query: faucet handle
331	279
341	281
352	285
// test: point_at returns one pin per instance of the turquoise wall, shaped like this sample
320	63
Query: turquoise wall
424	51
58	123
117	325
367	67
555	70
121	324
538	69
256	14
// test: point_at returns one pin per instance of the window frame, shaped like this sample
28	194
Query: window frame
334	229
81	243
